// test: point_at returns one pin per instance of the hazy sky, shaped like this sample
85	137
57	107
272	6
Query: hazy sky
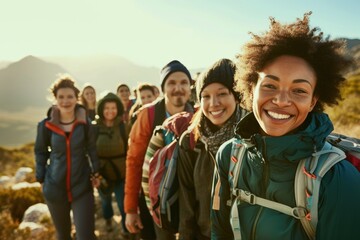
153	32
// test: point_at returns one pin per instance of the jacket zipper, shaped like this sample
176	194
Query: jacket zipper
68	172
265	185
56	129
253	232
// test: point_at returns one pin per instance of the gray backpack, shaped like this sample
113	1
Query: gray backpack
309	174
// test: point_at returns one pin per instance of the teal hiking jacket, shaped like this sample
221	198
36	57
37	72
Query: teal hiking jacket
268	171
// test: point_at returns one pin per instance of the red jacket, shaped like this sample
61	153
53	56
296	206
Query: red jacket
139	138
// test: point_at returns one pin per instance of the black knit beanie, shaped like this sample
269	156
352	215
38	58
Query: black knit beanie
222	72
171	67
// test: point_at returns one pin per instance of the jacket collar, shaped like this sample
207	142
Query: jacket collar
295	146
54	114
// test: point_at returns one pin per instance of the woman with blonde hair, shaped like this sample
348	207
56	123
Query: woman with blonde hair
88	100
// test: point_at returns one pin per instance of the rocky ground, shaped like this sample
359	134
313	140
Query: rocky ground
100	226
103	234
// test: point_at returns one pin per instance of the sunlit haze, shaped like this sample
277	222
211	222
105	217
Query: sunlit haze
151	33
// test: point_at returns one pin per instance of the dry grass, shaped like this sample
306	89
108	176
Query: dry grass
352	130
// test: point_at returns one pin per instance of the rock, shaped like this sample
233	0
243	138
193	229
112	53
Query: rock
22	173
5	182
22	185
34	227
36	213
33	218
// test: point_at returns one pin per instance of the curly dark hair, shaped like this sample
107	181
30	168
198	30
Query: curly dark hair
296	39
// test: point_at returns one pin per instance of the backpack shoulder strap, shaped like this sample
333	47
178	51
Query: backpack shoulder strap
237	155
46	133
234	165
157	114
151	112
160	113
307	183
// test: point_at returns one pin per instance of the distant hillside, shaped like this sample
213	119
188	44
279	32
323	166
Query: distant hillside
23	98
24	87
25	83
106	72
353	50
351	43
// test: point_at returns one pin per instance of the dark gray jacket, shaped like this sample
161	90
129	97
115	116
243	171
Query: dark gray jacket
66	175
195	173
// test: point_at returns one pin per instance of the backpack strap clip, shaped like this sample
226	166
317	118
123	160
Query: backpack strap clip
250	198
245	196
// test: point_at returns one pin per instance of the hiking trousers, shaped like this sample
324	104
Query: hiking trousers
148	232
106	202
83	215
163	234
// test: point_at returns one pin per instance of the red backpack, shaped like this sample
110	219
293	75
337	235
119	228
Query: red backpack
159	180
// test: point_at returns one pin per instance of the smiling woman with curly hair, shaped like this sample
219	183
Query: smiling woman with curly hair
286	75
297	39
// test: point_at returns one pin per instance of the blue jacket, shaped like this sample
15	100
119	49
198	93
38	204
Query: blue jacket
66	176
268	171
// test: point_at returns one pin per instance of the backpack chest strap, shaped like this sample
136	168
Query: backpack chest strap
248	197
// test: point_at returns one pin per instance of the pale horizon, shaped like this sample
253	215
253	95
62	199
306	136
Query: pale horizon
152	33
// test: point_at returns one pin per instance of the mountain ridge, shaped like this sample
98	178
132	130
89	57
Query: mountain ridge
25	83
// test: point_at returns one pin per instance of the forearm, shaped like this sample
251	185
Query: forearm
41	153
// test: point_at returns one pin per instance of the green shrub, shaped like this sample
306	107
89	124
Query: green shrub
18	201
9	229
346	114
13	159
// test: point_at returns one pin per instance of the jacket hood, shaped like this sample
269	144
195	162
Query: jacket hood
53	114
309	138
110	97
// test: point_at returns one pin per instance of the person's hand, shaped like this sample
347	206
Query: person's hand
95	180
133	222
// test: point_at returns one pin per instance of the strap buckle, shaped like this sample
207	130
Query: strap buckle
299	212
248	197
245	196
